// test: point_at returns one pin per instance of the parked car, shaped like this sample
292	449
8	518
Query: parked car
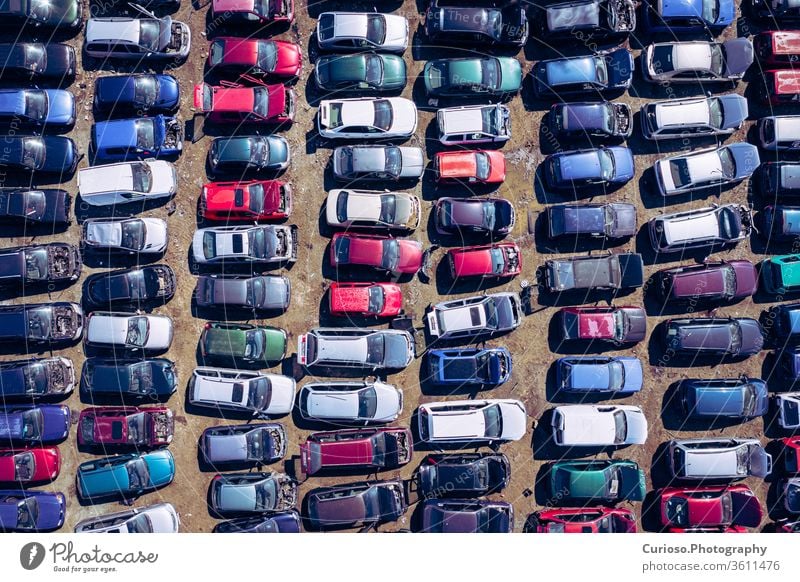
467	516
251	293
777	47
35	207
718	458
30	267
255	56
611	220
382	253
37	108
463	475
125	235
790	489
473	317
36	326
280	522
232	103
592	272
606	166
584	19
595	425
498	260
465	217
252	493
583	520
485	367
788	406
245	244
132	287
779	86
782	11
472	421
474	124
730	508
246	201
350	402
695	117
788	362
789	452
133	380
128	331
109	427
709	282
29	424
785	323
125	476
355	504
361	72
243	344
499	77
470	166
713	226
601	72
242	392
374	210
506	25
52	16
46	154
37	61
245	154
243	444
602	119
688	16
120	140
779	180
365	299
368	449
713	336
697	61
704	169
362	31
738	398
779	132
140	39
781	223
596	481
127	182
611	324
619	375
251	11
138	93
377	162
780	274
31	511
35	378
157	518
20	467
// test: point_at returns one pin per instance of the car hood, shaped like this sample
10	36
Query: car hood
637	324
282	399
289	58
165	177
413	162
515	420
410	258
161	466
738	56
752	336
624	220
746	278
61	107
394	70
637	427
745	156
396	31
620	68
734	110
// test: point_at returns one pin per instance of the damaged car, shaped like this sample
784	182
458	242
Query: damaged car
35	378
126	426
252	493
368	449
129	380
150	284
609	272
40	325
245	244
39	265
243	444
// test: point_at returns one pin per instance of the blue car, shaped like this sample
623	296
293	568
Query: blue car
789	365
31	511
137	94
781	223
490	366
620	375
37	107
786	328
594	119
34	425
591	167
598	73
125	475
121	140
740	398
688	15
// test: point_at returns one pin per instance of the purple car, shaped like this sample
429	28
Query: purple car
723	281
27	424
467	516
31	511
474	216
615	220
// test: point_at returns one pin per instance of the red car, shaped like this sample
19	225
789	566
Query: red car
246	201
497	260
241	104
254	10
791	454
583	520
256	56
125	426
359	448
394	255
18	466
730	508
485	166
614	324
368	299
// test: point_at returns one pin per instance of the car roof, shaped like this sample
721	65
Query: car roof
466	120
694	227
787	127
680	113
124	29
691	55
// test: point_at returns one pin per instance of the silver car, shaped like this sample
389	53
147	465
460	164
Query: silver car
148	38
352	402
377	162
788	406
158	518
360	31
126	235
704	227
259	292
711	458
347	347
367	118
129	331
246	244
697	61
695	117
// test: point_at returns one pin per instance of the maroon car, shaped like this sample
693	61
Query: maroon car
730	508
723	281
369	448
125	426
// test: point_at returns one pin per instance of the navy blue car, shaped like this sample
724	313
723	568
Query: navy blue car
137	94
741	398
128	380
688	15
786	327
469	366
591	167
614	220
606	71
781	223
463	475
789	365
281	522
597	374
123	140
46	154
26	380
593	119
50	108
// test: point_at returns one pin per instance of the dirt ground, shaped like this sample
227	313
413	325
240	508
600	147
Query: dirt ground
533	346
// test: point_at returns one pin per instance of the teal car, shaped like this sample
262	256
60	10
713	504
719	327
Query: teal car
781	274
125	475
243	344
360	72
469	77
596	481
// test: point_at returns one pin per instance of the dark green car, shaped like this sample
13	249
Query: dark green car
596	481
243	344
361	72
494	76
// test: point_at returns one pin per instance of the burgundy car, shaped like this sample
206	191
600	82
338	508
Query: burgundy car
496	260
730	508
393	255
254	11
613	324
723	281
365	299
582	520
125	426
371	449
255	56
23	466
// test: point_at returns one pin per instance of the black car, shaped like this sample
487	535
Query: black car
24	380
599	119
507	25
581	20
139	94
780	11
129	379
777	180
40	324
474	216
36	61
464	475
49	154
256	293
240	153
283	522
713	336
50	206
467	516
37	265
41	13
136	286
615	220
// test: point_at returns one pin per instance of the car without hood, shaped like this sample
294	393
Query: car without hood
463	475
31	267
695	117
597	120
499	260
471	317
245	244
121	140
34	378
125	427
505	25
243	444
588	19
486	367
252	493
134	380
140	39
33	326
713	226
279	522
582	520
377	162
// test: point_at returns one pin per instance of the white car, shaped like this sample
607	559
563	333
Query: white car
149	38
706	168
476	316
360	31
378	210
242	391
367	118
130	331
788	406
470	421
695	117
712	226
254	244
697	61
127	182
588	425
718	458
779	132
158	518
353	402
472	124
125	235
353	347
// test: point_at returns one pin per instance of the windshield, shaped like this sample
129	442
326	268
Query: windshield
35	56
24	466
33	153
367	403
606	164
149	30
265	495
482	166
710	10
492	421
258	394
145	90
394	161
138	475
267	55
717	59
137	429
137	331
383	114
491	314
730	281
139	524
36	105
498	261
142	177
145	134
491	73
27	513
40	9
39	321
376	28
749	405
375	299
254	343
620	427
489	214
616	375
261	101
255	444
31	424
391	255
133	234
727	163
374	74
715	113
600	71
256	292
36	263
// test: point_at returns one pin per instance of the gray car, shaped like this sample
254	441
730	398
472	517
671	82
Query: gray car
251	444
713	226
260	292
612	271
375	349
252	493
350	402
695	117
377	162
697	61
712	458
472	317
705	169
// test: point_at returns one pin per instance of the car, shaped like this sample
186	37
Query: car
53	109
602	72
362	31
789	452
596	425
252	493
600	120
246	154
36	61
479	217
243	444
125	476
589	168
473	317
788	406
606	220
783	319
36	378
279	522
367	449
696	117
246	201
587	19
51	16
596	481
260	244
466	516
462	475
780	274
593	272
239	104
730	508
252	11
499	77
109	427
255	56
781	223
779	132
708	168
355	504
132	236
470	167
128	379
252	293
120	140
365	299
713	336
350	402
688	16
140	39
697	61
790	489
29	267
718	458
49	207
361	72
617	375
367	118
127	182
34	425
156	518
736	398
712	226
138	93
778	180
148	284
612	324
374	210
377	162
505	26
34	326
474	124
31	511
775	10
583	520
779	86
722	281
241	391
382	253
243	343
352	347
128	331
788	363
472	422
469	366
777	47
498	260
19	467
46	154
